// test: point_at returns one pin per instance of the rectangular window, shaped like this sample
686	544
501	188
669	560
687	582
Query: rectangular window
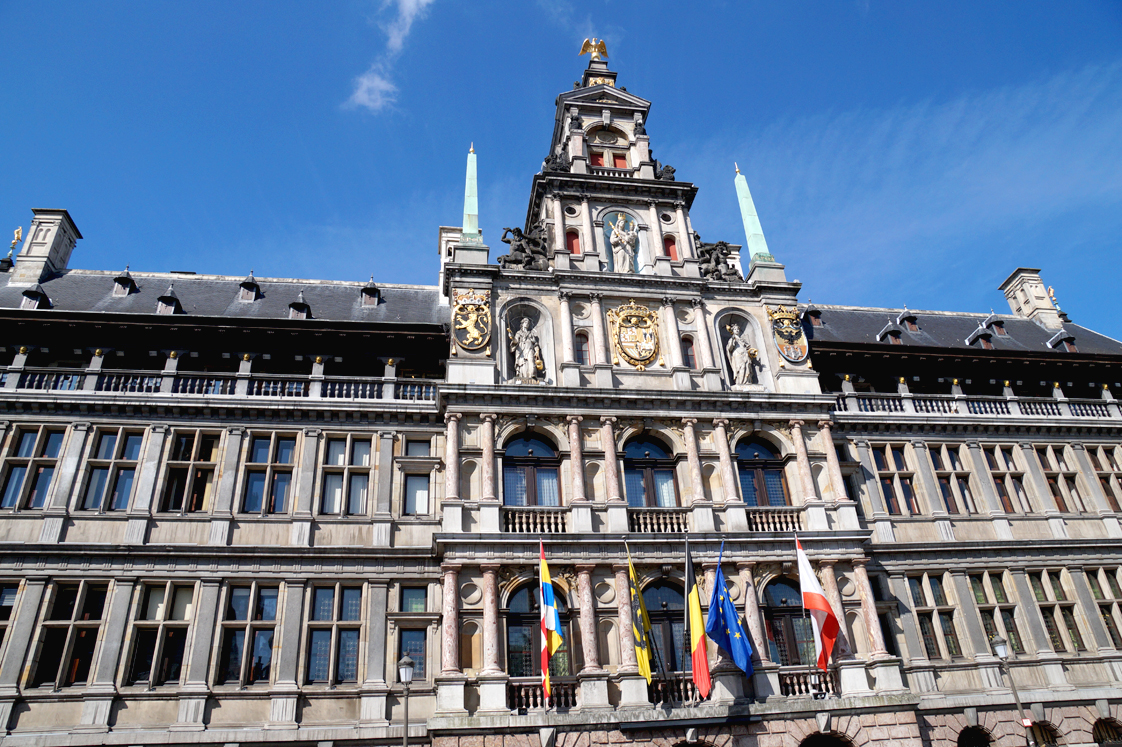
192	465
619	160
412	644
113	462
416	495
160	634
68	636
895	478
29	467
596	158
269	480
417	448
334	624
251	615
413	599
1007	480
346	476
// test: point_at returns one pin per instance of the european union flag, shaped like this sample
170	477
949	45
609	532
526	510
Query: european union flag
724	625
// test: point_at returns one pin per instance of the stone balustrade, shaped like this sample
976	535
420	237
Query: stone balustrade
959	405
524	694
800	682
534	519
658	520
774	519
675	688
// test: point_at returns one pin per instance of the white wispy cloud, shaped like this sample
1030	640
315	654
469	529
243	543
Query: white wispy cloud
373	89
916	201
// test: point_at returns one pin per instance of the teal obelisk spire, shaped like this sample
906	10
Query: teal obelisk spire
470	232
753	231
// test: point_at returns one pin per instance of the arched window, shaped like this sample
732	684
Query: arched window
1107	733
523	635
581	348
762	482
670	245
1044	734
648	474
825	740
666	608
973	736
688	357
530	472
572	242
790	637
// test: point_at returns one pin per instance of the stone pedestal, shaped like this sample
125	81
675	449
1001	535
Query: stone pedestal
373	708
887	676
701	517
580	516
492	695
816	520
633	691
854	682
765	681
450	695
453	517
570	374
617	518
594	691
736	517
489	520
728	686
603	376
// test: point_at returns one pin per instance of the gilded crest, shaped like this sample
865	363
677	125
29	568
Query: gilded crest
471	318
789	335
634	331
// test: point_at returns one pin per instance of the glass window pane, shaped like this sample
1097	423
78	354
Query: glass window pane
231	663
937	590
254	492
416	495
748	486
336	452
144	652
54	445
171	659
979	589
154	602
12	486
319	656
332	493
352	604
548	494
417	448
259	450
1072	628
131	449
1057	587
520	650
182	447
348	656
105	446
356	494
7	603
514	486
998	590
174	488
950	635
360	453
286	450
413	645
261	656
238	608
95	488
915	585
95	601
323	603
181	603
773	483
1112	582
266	603
37	496
26	447
1093	582
208	448
664	488
1012	631
635	482
122	489
948	497
281	482
413	599
898	459
65	599
878	457
927	632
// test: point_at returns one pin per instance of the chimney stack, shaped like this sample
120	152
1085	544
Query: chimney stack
47	248
1028	298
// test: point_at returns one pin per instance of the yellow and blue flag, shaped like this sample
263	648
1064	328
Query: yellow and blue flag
550	621
640	620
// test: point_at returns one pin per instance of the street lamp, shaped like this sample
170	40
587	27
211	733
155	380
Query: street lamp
405	676
1001	650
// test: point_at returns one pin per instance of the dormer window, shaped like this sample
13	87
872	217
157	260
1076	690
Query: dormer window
908	319
890	334
1069	346
168	303
999	329
894	338
249	289
815	318
123	284
299	308
981	334
986	344
370	294
911	324
35	298
1063	339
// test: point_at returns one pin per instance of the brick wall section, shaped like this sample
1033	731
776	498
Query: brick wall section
1074	724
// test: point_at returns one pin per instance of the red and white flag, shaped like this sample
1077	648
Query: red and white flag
822	616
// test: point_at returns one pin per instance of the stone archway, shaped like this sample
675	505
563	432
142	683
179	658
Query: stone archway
826	739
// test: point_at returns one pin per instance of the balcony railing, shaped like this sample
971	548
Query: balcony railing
525	694
193	383
676	688
769	519
959	405
609	171
534	519
659	520
800	683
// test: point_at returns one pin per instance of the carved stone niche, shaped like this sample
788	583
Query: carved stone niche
742	352
527	338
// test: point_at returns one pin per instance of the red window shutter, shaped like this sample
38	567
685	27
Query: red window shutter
597	159
619	160
572	242
671	245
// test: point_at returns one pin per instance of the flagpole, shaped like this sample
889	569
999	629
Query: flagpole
806	621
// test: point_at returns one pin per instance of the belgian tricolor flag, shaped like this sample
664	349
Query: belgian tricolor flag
695	625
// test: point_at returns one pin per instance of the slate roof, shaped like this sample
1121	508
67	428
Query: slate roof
942	329
218	296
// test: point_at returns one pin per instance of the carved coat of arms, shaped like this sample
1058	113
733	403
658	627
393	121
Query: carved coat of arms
634	331
789	335
471	318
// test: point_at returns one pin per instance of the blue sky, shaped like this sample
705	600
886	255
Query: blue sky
898	152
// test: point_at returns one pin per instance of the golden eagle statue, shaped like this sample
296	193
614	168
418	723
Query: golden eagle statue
596	47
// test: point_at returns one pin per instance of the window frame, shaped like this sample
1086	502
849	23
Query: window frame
348	471
270	469
75	626
648	466
1107	597
163	625
249	627
928	607
756	470
114	466
952	473
336	625
582	351
531	619
897	484
1106	466
33	465
529	466
993	608
192	466
1060	476
1057	608
1008	477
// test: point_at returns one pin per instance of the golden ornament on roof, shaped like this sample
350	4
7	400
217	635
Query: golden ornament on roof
596	48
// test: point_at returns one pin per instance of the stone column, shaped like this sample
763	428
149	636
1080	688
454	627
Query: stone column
736	517
588	242
598	235
701	508
489	518
576	459
815	508
193	694
374	686
657	249
703	342
628	664
450	625
830	585
282	709
673	337
18	637
558	222
752	615
845	510
490	619
588	637
566	327
877	648
602	356
452	507
685	240
611	460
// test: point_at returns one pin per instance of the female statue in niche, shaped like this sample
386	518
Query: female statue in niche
623	241
526	347
741	355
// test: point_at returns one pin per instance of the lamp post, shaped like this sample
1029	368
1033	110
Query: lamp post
1001	650
405	676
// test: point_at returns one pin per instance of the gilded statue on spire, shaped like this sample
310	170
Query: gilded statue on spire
596	48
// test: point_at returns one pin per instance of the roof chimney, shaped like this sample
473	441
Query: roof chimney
47	249
1028	298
